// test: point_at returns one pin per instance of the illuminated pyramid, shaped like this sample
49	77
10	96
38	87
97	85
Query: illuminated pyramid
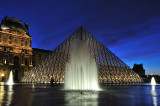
111	69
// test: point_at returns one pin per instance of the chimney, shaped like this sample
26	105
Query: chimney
26	25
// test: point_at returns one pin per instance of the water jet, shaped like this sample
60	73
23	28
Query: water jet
81	72
153	81
10	80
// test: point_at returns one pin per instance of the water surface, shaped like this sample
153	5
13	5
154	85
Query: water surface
110	95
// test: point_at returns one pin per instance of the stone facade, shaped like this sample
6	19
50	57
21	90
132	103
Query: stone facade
16	53
15	49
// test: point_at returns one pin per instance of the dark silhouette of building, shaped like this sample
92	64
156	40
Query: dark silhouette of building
138	68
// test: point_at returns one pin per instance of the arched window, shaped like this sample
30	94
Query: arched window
16	41
5	39
25	43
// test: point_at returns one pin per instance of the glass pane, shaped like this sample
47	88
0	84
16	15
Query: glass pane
16	41
5	39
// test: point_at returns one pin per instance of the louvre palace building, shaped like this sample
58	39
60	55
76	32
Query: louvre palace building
16	53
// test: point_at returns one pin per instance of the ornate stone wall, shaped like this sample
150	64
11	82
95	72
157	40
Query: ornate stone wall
15	50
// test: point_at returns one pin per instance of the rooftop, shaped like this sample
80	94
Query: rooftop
12	23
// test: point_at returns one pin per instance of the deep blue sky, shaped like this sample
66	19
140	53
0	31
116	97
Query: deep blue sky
129	28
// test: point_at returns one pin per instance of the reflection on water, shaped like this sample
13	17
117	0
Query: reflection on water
154	95
9	94
2	92
15	95
38	95
5	93
81	99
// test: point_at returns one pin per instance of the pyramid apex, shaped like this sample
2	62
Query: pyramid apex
81	27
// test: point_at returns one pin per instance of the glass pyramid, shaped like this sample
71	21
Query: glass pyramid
111	69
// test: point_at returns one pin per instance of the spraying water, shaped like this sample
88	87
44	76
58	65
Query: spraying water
81	72
153	82
10	80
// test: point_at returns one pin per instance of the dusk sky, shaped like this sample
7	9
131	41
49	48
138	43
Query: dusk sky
129	28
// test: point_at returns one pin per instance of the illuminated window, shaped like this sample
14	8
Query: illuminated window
16	41
25	43
5	39
4	60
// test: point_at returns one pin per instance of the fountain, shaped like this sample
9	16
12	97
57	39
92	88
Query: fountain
153	82
10	80
81	72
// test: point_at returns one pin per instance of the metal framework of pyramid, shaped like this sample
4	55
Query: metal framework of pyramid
111	69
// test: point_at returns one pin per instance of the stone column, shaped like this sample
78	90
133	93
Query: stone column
1	58
31	60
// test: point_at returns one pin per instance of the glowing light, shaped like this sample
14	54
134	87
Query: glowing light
5	62
2	75
5	28
10	80
153	82
95	87
33	86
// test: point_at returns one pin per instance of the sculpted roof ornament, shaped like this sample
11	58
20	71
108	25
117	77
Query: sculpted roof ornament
12	23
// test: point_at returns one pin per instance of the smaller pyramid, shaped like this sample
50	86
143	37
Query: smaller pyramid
111	69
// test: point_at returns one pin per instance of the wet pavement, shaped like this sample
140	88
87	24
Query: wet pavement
110	95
